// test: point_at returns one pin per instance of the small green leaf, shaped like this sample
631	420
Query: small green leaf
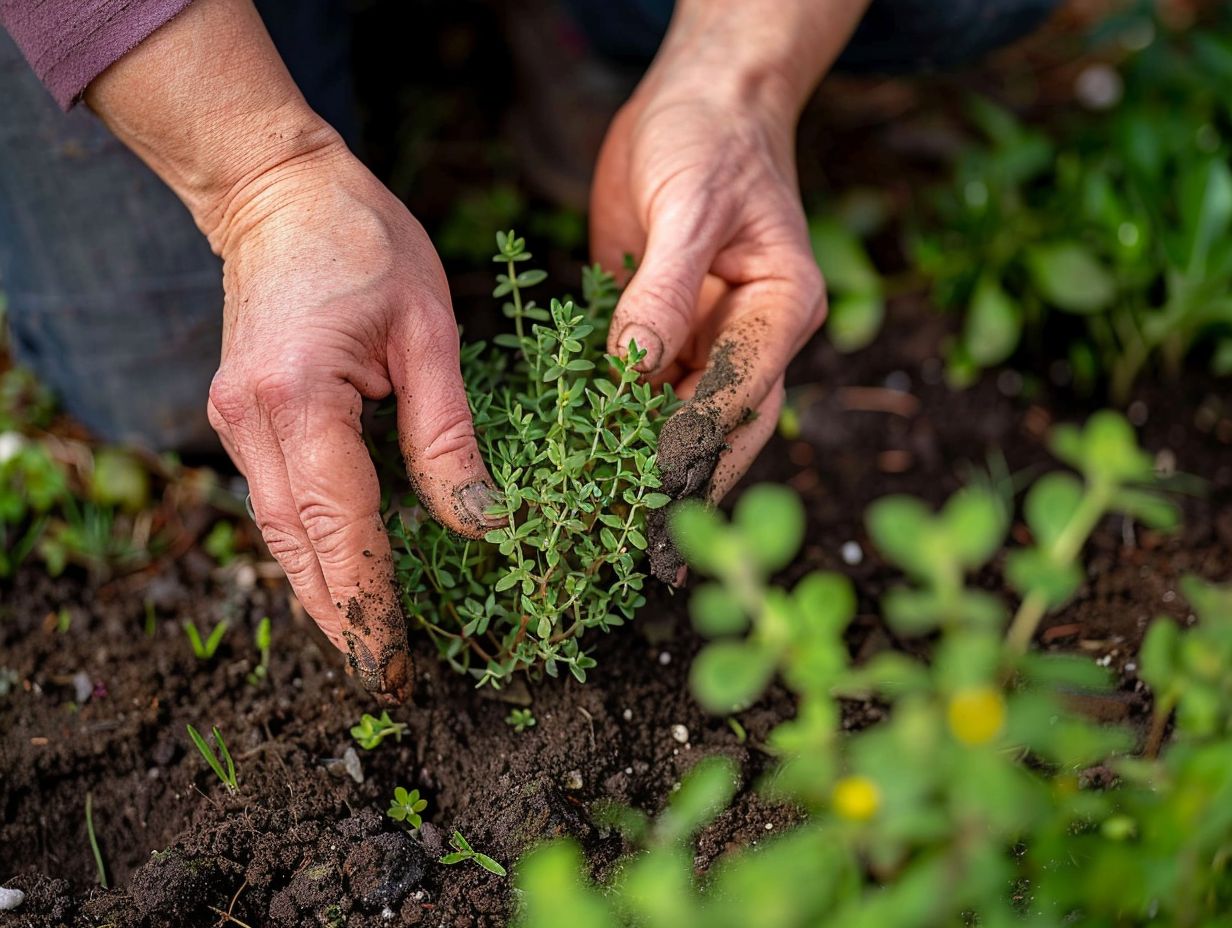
727	676
715	612
1050	505
1069	277
993	324
770	519
1029	570
974	524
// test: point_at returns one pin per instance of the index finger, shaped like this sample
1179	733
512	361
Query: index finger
335	488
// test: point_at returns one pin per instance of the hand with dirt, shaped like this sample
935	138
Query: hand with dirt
697	181
333	294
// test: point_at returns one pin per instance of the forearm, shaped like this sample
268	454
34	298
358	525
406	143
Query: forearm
207	103
771	53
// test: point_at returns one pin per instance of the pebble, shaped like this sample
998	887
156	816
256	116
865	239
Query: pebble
573	780
350	761
83	687
665	658
627	715
680	733
1098	87
1165	463
10	444
898	380
10	899
852	553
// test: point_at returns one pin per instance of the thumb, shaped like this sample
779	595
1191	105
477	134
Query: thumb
436	432
659	307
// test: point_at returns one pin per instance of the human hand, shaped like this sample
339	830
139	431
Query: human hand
700	187
334	294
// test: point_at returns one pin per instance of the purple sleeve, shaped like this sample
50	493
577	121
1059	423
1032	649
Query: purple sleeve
68	43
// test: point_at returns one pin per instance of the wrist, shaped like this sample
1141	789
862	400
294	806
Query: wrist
763	55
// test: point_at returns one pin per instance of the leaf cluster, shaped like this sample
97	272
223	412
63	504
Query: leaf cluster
1120	222
930	817
569	434
370	731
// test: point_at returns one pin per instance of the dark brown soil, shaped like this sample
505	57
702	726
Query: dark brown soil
303	844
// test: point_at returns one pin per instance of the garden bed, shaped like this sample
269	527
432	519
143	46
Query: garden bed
303	843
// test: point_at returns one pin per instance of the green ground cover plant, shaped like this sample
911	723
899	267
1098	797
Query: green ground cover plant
569	434
979	799
371	730
220	762
1110	231
406	806
462	852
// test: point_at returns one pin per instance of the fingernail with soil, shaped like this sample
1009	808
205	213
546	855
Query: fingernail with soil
646	340
390	684
477	499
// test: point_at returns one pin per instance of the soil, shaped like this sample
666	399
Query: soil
302	843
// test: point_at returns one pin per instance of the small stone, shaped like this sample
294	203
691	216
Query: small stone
1165	463
83	687
1169	596
851	553
245	577
665	658
629	771
10	444
627	715
680	733
573	780
1098	87
899	381
350	761
10	899
769	826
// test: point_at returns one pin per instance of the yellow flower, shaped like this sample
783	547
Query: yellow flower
977	714
856	798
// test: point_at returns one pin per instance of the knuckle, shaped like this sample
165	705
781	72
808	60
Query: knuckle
325	527
663	300
288	550
281	388
452	432
228	401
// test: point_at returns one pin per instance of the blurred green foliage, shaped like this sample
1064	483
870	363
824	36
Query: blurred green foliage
1121	220
973	802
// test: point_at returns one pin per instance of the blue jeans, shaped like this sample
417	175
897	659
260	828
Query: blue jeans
114	299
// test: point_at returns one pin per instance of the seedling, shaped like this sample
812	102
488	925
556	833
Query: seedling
569	434
225	774
94	848
262	640
1062	512
406	806
220	542
520	720
371	731
462	851
204	650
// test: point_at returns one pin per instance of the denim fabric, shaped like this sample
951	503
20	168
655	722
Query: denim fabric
895	35
114	298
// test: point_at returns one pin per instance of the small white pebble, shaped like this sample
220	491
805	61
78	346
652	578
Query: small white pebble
769	826
627	715
10	444
1098	87
387	913
680	733
1104	661
573	780
665	658
245	577
10	899
898	380
629	771
1169	596
83	686
851	553
1165	463
1130	667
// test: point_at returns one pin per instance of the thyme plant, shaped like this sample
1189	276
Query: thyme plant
569	434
